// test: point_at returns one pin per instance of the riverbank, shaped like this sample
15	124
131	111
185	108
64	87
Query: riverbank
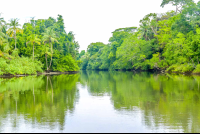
157	71
38	73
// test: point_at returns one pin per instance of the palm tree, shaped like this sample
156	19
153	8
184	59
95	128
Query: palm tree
2	36
45	51
33	39
2	21
14	29
49	37
4	39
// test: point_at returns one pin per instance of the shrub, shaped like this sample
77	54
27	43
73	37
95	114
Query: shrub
20	66
197	69
187	68
66	63
181	68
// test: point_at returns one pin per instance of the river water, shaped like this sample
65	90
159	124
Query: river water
100	101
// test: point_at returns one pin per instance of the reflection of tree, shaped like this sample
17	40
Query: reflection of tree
170	100
43	99
98	82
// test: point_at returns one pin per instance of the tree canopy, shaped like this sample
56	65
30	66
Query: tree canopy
163	41
43	40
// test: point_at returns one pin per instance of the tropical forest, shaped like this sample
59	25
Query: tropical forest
144	79
163	42
39	45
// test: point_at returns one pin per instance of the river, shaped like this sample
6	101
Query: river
100	101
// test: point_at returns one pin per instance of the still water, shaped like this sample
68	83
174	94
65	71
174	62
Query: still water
93	101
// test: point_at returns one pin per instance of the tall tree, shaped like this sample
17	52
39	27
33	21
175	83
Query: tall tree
178	3
2	21
14	24
45	51
59	25
49	37
33	39
4	40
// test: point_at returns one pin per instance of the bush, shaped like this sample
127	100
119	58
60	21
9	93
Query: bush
15	53
66	63
20	66
197	69
1	73
181	68
187	68
142	66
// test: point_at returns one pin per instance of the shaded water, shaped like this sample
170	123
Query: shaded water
93	101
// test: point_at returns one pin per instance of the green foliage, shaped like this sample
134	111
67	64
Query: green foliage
183	68
21	65
66	63
1	73
43	40
197	69
15	53
127	29
81	54
163	41
94	47
177	3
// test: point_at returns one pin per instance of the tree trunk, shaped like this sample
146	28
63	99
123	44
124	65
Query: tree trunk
159	57
153	30
192	61
33	51
46	61
15	39
51	55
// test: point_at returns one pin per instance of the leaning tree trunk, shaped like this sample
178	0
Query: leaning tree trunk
51	55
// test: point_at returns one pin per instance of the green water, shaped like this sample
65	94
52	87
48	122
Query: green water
93	101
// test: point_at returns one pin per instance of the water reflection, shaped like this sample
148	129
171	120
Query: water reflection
42	100
164	100
100	101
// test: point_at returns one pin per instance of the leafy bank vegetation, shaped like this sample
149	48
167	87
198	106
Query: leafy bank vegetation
164	41
39	45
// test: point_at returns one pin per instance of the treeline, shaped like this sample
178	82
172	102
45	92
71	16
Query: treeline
168	41
39	45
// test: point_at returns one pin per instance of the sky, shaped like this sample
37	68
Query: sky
90	20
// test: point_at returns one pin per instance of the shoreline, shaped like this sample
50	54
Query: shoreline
151	71
74	72
38	73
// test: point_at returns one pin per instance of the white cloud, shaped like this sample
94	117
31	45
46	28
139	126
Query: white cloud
90	20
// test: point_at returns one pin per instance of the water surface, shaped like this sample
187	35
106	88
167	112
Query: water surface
100	101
